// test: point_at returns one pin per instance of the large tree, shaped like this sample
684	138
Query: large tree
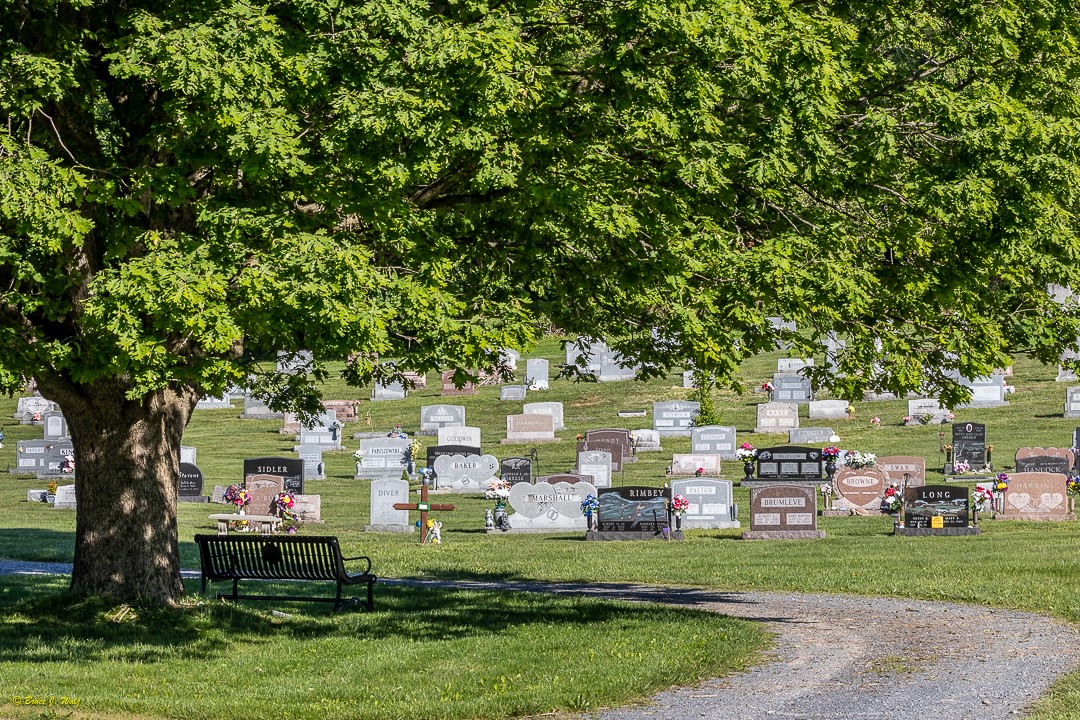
187	187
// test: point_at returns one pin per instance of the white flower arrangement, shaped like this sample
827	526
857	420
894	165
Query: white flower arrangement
859	459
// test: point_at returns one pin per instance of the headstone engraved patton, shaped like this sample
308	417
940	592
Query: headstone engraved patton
65	498
384	516
548	507
919	409
516	470
969	443
674	417
465	473
554	409
536	374
311	455
711	504
263	489
615	440
712	440
810	435
464	435
783	512
433	417
1036	496
896	466
686	464
860	488
789	463
290	470
450	389
1044	460
529	429
633	509
389	390
597	464
55	425
936	510
383	458
777	418
828	409
792	388
512	393
646	440
191	484
1072	402
256	409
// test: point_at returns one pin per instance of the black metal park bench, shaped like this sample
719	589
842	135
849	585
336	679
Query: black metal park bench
290	557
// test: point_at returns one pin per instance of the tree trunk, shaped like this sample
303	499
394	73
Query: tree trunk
127	462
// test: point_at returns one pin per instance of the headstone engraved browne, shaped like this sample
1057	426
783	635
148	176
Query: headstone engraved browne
646	440
311	456
465	473
936	506
529	429
828	409
554	409
188	454
615	440
55	425
986	391
674	417
450	389
789	463
536	374
792	388
777	418
65	498
263	489
1044	460
389	390
512	393
969	444
383	458
325	431
713	440
596	463
1036	496
1072	402
783	509
464	435
214	403
896	466
433	417
810	435
290	470
191	484
860	488
548	507
516	470
384	517
710	503
633	509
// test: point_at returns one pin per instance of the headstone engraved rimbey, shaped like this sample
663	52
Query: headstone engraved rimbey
632	512
783	512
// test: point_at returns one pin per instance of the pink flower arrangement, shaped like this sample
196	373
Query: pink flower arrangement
679	504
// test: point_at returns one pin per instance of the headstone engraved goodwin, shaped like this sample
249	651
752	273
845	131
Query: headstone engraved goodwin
711	503
789	463
290	470
783	512
633	509
465	435
969	443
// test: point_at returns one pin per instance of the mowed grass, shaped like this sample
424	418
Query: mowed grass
1030	566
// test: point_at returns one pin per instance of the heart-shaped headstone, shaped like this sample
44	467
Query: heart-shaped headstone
473	471
569	497
532	501
1018	500
524	499
1051	501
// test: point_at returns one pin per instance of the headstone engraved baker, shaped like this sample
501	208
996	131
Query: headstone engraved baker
536	374
926	411
860	489
548	507
554	409
385	493
969	444
1072	402
290	470
512	393
789	463
263	489
896	467
783	512
516	470
674	417
529	429
324	430
290	363
828	409
188	453
465	473
986	392
311	455
55	425
191	484
646	440
389	390
695	464
713	440
711	503
1044	460
777	418
449	389
792	388
633	509
434	452
224	402
433	417
464	435
936	510
1036	496
383	457
810	435
615	440
596	463
65	498
256	409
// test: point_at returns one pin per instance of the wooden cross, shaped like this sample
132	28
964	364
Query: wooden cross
423	506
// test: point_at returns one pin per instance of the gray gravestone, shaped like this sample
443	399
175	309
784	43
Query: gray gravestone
711	504
463	435
646	440
674	417
30	455
986	392
828	409
324	431
433	417
777	418
512	393
314	469
529	429
256	409
214	403
465	473
929	409
713	440
291	363
59	459
596	463
381	458
548	507
615	440
1072	402
393	390
792	388
30	406
55	425
536	374
792	366
554	409
810	435
384	517
65	498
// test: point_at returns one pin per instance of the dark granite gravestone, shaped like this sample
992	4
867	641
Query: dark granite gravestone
969	443
1047	460
290	470
191	484
633	509
56	460
936	507
789	463
516	470
792	388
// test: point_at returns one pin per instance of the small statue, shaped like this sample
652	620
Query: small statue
434	532
489	520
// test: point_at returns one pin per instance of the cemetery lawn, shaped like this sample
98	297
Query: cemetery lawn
513	654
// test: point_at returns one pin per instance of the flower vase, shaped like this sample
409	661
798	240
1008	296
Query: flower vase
678	521
830	469
241	511
500	518
748	471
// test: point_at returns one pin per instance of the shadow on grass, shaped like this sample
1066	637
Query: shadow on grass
37	544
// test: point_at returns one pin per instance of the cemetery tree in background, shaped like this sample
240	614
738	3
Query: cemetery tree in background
187	188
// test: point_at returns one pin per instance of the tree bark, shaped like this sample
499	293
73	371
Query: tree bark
127	462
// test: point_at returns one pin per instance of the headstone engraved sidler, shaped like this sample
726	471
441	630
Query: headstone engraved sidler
936	510
633	511
789	463
783	512
969	444
191	484
290	470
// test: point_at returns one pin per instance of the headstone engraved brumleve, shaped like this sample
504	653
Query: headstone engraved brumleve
554	409
384	516
1036	496
290	470
969	444
597	464
783	512
713	440
632	512
191	484
548	507
777	418
382	458
433	417
711	505
936	510
674	417
789	464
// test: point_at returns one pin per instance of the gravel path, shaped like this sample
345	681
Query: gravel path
839	657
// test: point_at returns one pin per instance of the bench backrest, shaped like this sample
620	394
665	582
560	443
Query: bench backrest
270	558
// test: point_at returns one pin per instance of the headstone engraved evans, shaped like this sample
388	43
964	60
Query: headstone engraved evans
777	418
936	506
969	443
896	466
789	463
674	417
713	440
384	516
516	470
191	481
290	470
710	501
783	508
633	509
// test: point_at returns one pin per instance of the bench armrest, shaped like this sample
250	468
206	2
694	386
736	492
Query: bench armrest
360	557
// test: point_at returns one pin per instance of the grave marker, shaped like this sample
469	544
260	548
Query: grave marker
919	409
512	393
828	409
290	470
596	463
451	390
383	458
1044	460
779	512
713	440
810	435
789	463
65	498
311	456
633	509
969	444
711	504
1072	402
191	484
214	403
548	507
529	429
554	409
465	473
433	417
986	392
392	390
424	506
325	431
674	417
263	489
516	470
793	366
55	425
188	454
896	466
385	517
687	464
777	418
256	409
860	488
792	388
935	507
645	440
615	440
536	374
465	435
1036	496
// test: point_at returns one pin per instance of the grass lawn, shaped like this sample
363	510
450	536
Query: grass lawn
510	654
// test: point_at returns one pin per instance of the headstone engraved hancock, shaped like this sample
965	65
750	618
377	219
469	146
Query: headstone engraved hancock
783	508
674	417
516	470
548	507
536	374
1036	496
777	418
383	458
710	503
828	409
713	440
384	516
190	481
311	456
512	393
1044	460
433	417
687	464
55	425
646	440
789	463
464	435
290	470
65	498
633	509
554	409
919	409
792	388
263	489
529	429
896	466
936	506
450	389
810	435
596	463
1072	402
969	443
860	488
465	473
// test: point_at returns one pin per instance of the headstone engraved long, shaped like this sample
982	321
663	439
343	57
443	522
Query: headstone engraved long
1044	460
191	484
711	504
465	473
793	366
969	443
384	516
256	409
615	440
512	393
633	509
695	464
789	463
596	463
383	458
828	409
325	431
65	498
792	388
548	507
554	409
936	507
311	455
449	389
713	440
896	467
516	470
777	418
389	390
674	417
986	392
536	374
529	429
214	403
55	425
1036	496
290	470
188	453
929	408
810	435
464	435
646	440
860	488
290	363
1072	402
783	512
264	489
433	417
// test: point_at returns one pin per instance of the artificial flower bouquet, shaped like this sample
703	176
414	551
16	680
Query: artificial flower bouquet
892	501
499	491
679	505
746	452
860	459
238	496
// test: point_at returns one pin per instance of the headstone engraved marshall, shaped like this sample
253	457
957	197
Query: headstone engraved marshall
810	435
711	504
516	470
860	488
464	435
783	512
828	409
789	463
433	417
554	409
686	464
633	509
384	516
529	429
936	507
548	507
896	466
536	374
674	417
1044	460
713	440
191	484
969	443
450	389
792	388
290	470
512	393
596	463
1036	496
465	473
383	458
777	418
